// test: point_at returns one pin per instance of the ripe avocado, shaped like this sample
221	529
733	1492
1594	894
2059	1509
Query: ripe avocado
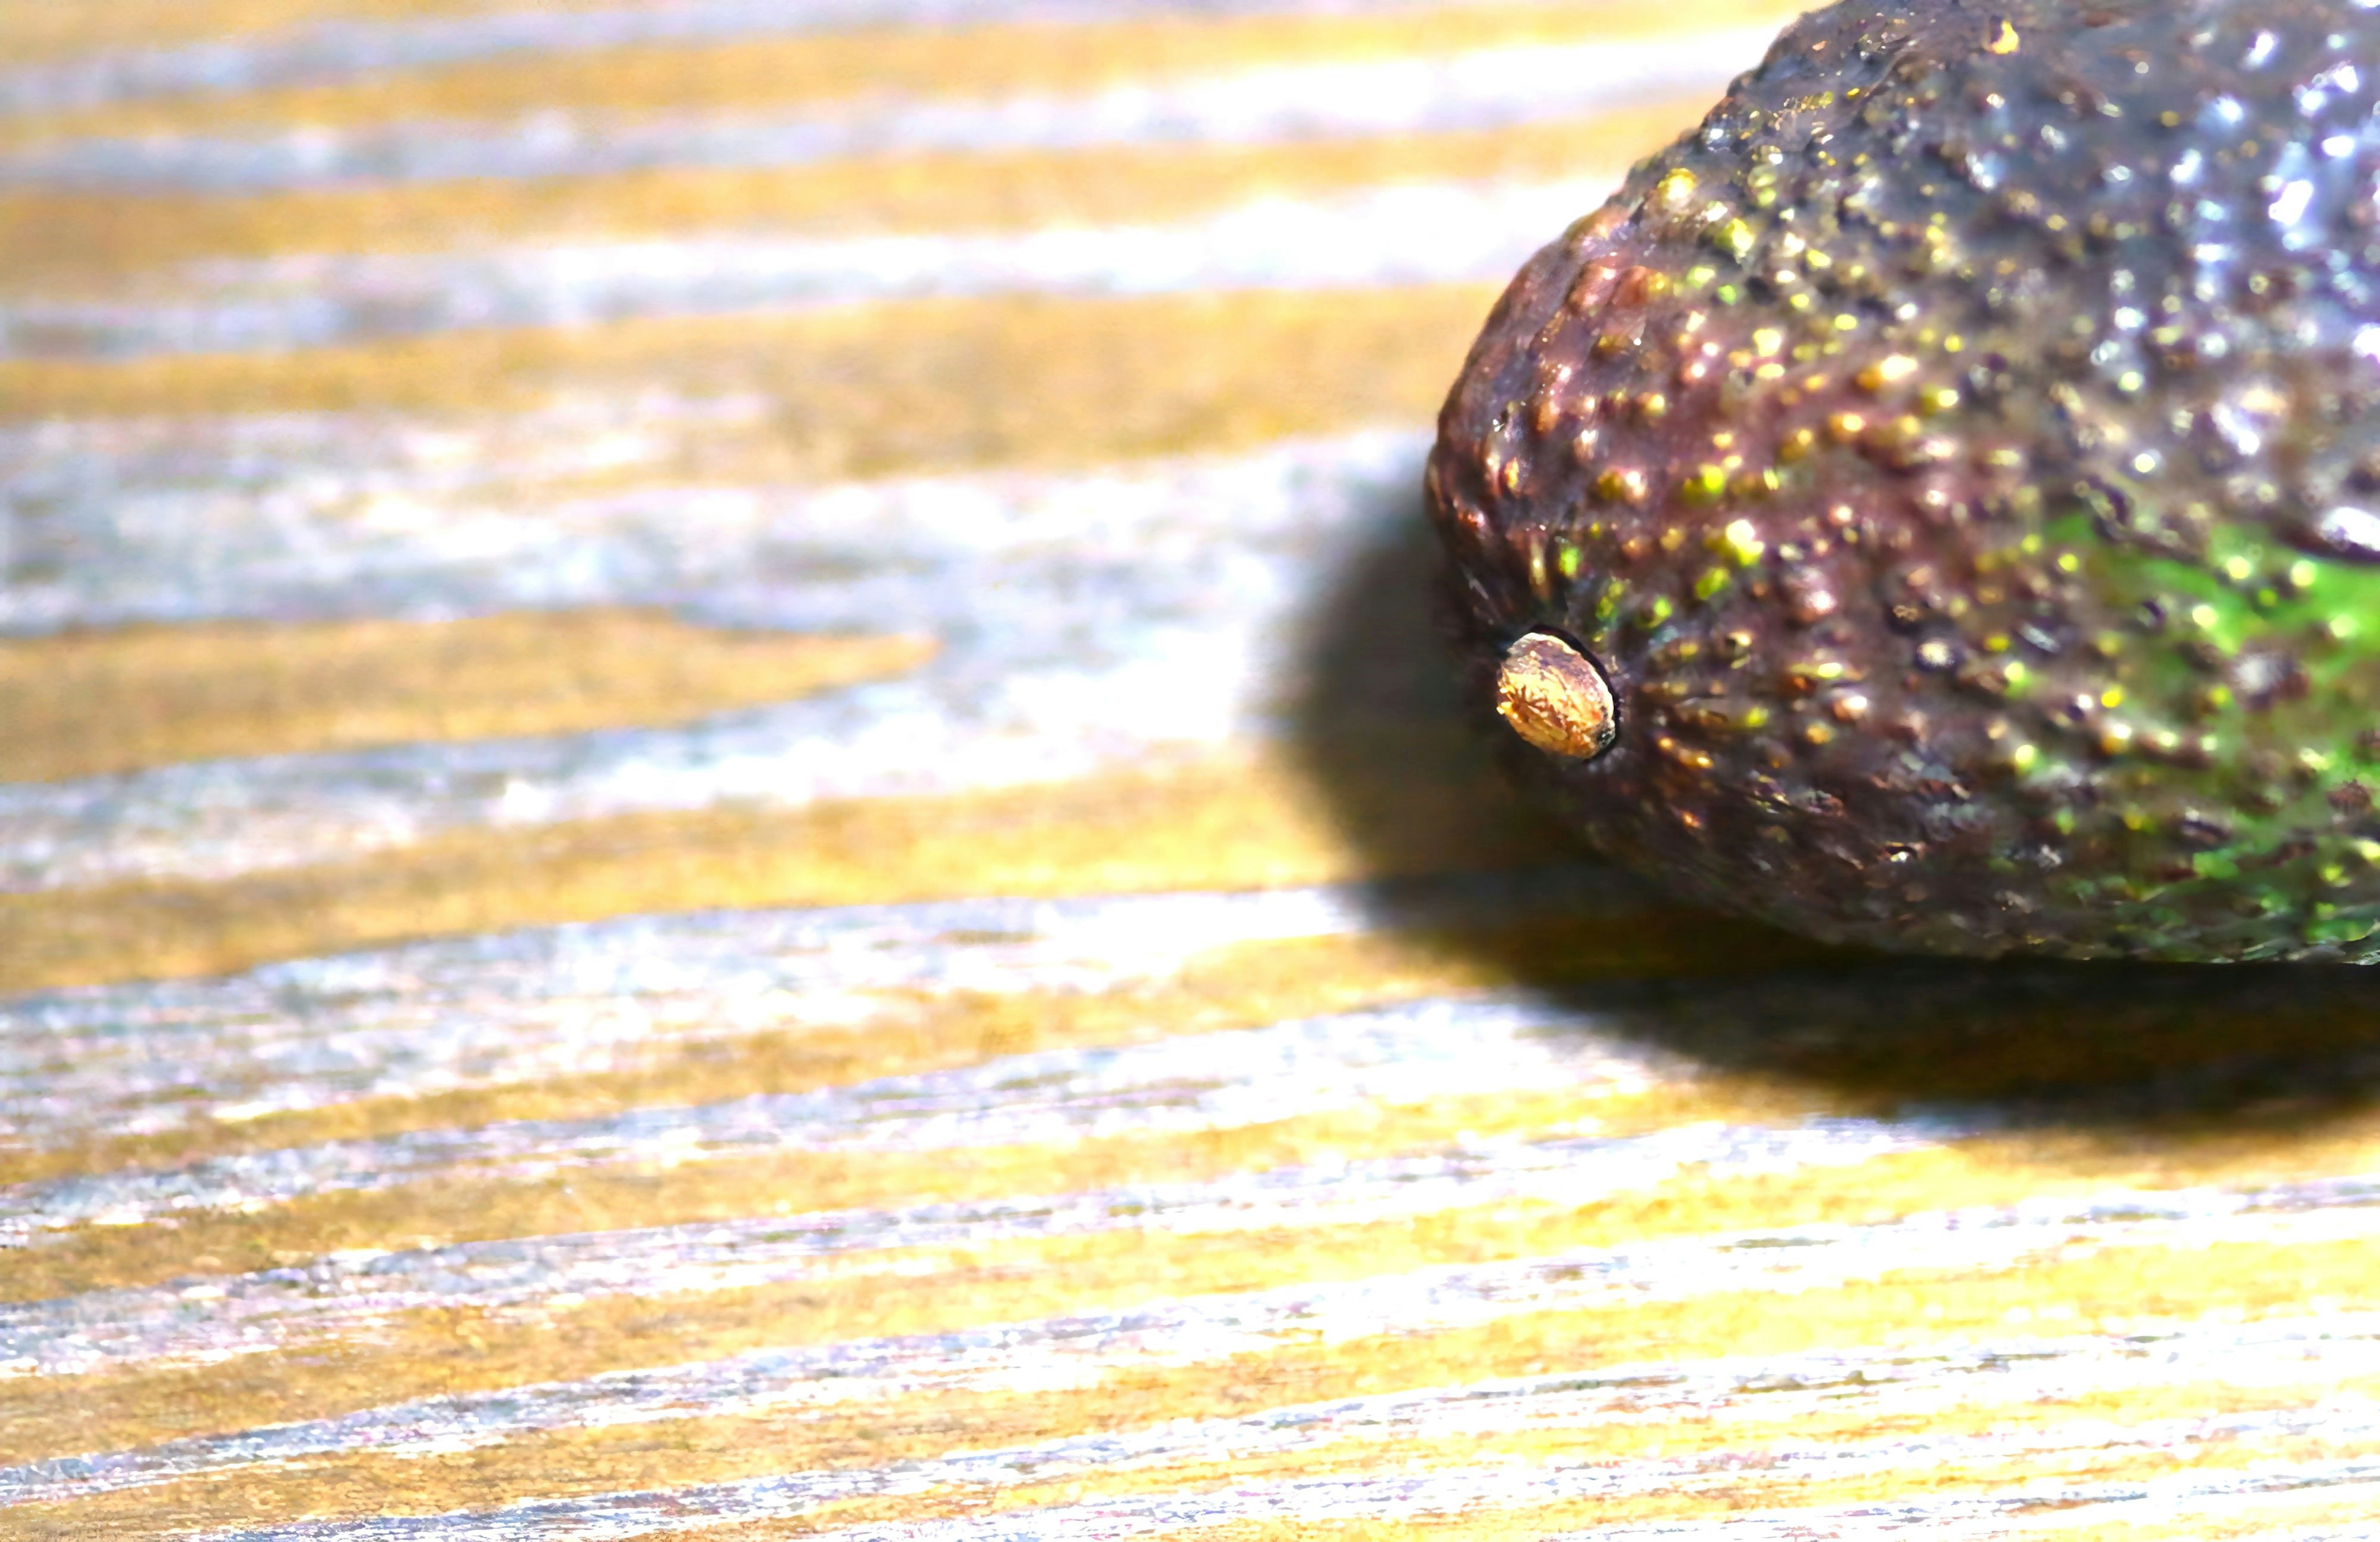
1935	504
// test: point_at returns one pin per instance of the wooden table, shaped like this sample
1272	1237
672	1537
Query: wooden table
728	812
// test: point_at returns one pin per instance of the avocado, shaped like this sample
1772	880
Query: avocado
1935	504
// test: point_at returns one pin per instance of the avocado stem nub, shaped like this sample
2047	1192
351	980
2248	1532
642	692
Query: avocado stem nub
1556	698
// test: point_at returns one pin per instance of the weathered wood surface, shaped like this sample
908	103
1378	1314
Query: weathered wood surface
727	813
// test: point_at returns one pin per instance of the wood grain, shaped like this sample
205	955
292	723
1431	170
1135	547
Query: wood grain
752	911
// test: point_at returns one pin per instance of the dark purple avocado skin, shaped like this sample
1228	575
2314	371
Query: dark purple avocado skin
1962	455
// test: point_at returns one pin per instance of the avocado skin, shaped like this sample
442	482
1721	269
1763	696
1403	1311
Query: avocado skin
1961	456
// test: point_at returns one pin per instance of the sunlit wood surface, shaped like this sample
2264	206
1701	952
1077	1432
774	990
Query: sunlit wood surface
726	812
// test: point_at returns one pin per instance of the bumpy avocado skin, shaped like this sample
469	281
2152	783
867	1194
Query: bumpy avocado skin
1962	455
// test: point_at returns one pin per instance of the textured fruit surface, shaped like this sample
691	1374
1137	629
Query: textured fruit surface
1961	456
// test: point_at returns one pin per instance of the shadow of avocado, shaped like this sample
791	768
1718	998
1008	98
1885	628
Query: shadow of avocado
1421	778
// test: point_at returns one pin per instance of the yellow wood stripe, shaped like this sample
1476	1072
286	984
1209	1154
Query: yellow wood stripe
1751	1484
728	1449
455	1350
69	242
1915	1312
1246	985
2011	1053
2318	1512
440	1211
1230	825
416	1353
1828	1505
873	390
33	32
761	74
86	703
1750	1492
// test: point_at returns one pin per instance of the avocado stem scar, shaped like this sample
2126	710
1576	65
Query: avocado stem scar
1556	698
